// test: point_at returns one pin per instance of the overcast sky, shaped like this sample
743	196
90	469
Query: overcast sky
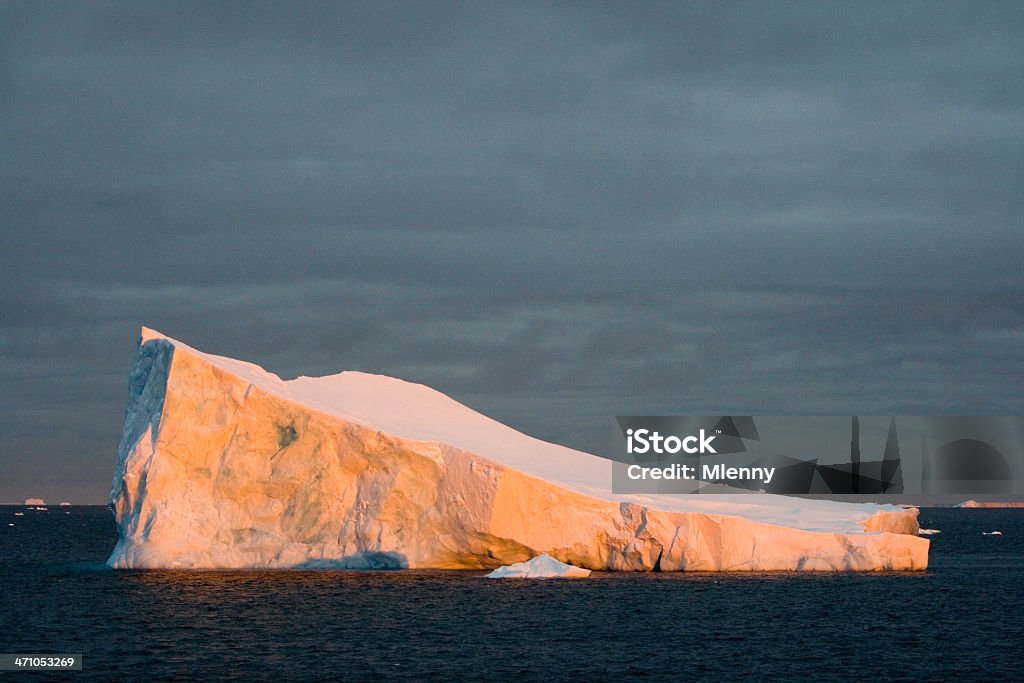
553	212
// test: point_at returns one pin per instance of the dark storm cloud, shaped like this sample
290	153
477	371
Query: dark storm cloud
556	212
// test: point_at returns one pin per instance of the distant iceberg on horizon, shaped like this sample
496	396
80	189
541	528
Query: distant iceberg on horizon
225	465
990	504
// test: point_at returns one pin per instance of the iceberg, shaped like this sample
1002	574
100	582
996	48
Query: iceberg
541	567
222	464
999	504
35	501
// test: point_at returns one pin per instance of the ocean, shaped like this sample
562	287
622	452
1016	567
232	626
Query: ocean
960	620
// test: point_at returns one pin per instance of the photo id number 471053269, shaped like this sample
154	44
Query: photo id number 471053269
34	662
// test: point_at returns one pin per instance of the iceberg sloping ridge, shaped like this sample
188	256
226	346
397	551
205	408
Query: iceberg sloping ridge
225	465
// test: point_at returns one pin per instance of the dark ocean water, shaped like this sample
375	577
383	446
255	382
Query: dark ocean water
960	620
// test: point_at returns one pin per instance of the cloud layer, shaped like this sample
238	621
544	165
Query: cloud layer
554	212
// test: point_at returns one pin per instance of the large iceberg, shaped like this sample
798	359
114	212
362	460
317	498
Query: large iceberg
223	464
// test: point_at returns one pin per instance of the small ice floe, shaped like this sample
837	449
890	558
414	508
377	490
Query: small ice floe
541	567
11	524
928	532
991	533
19	514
